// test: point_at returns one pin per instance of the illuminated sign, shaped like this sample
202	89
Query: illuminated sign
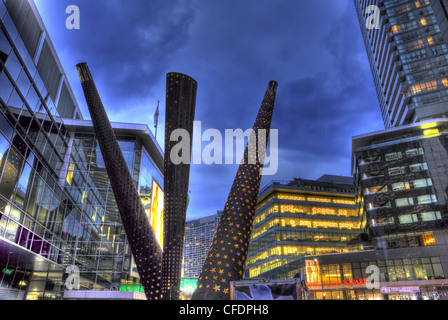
348	283
399	289
431	132
131	287
7	271
429	125
188	285
156	214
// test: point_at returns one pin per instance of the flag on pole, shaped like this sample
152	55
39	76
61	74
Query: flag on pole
156	117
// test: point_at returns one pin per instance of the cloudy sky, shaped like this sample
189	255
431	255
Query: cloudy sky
313	49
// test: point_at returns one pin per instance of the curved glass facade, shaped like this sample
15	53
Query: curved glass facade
56	205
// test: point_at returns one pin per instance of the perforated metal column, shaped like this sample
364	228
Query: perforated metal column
141	237
226	259
180	109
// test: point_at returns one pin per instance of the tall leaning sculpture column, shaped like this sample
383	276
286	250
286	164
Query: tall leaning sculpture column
226	259
141	237
179	115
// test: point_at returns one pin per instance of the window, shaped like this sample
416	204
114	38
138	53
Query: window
397	170
424	86
382	221
418	167
377	205
377	189
393	156
3	57
428	239
414	152
404	202
420	183
372	174
370	159
400	186
427	198
408	218
431	216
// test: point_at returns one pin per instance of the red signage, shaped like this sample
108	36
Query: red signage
348	283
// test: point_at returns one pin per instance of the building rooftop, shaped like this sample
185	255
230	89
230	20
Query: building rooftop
142	131
335	179
326	183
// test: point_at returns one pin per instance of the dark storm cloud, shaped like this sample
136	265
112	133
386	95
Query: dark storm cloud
128	46
233	49
324	110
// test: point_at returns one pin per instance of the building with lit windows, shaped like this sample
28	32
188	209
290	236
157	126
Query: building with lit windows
402	176
409	59
199	234
401	173
301	217
103	254
401	179
56	205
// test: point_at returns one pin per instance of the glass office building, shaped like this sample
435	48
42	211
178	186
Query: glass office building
409	59
56	206
102	253
402	175
401	178
301	217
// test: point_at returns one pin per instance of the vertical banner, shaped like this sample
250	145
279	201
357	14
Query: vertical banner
156	215
312	272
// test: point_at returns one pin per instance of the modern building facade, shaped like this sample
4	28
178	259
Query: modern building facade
199	234
106	254
401	178
402	175
57	209
301	217
141	236
402	274
399	173
409	59
440	8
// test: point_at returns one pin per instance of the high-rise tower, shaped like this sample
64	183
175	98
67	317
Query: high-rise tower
226	259
408	57
180	108
199	234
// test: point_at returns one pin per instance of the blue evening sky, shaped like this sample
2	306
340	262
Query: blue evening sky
313	49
